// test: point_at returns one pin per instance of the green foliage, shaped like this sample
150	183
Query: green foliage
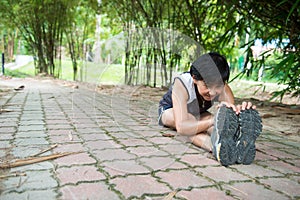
272	22
230	27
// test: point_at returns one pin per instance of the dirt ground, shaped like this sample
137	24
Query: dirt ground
282	118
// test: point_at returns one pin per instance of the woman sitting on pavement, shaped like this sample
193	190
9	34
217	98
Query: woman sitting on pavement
231	134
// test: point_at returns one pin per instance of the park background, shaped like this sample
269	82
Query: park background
146	42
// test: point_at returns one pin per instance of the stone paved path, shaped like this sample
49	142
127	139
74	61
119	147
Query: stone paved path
122	152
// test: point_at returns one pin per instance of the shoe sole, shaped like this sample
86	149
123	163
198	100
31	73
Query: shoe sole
226	125
250	129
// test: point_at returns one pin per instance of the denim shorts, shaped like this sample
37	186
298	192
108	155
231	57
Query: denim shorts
161	110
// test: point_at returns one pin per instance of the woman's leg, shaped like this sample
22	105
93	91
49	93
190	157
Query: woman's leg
201	139
167	118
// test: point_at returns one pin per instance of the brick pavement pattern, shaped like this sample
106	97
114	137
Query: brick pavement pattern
122	153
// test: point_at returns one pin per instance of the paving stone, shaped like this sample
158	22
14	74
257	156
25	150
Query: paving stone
182	179
162	163
46	165
256	171
30	141
72	147
99	145
251	190
125	135
75	159
2	155
115	128
293	151
9	124
59	126
76	174
31	117
6	136
27	151
87	130
5	119
136	186
221	174
282	167
95	191
64	139
146	151
133	142
124	155
287	186
11	115
95	137
31	122
269	145
280	154
159	139
113	154
7	130
59	132
34	180
31	194
263	157
81	124
204	193
57	121
178	149
31	134
201	159
5	144
154	133
35	127
124	167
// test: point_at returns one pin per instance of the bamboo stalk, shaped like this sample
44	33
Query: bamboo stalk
44	151
32	160
5	110
12	175
170	195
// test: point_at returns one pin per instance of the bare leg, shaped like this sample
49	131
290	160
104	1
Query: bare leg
202	140
168	118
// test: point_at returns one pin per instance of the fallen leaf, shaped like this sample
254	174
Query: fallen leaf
268	115
168	135
19	88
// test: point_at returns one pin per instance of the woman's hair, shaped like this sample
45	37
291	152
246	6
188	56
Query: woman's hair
204	67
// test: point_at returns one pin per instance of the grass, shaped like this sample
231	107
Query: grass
91	72
114	74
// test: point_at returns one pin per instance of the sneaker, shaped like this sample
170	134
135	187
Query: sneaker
223	137
250	129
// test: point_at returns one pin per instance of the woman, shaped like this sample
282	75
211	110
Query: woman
185	108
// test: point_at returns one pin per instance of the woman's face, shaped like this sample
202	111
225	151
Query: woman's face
208	93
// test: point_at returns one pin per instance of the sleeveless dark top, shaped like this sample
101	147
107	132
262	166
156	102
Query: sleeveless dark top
196	105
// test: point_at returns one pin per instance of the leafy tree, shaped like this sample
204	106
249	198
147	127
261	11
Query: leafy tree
40	23
43	25
276	22
79	26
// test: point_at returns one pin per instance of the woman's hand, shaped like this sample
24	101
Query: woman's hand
237	109
245	106
228	105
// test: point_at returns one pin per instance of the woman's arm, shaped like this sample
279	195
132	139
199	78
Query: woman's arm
186	123
228	99
227	95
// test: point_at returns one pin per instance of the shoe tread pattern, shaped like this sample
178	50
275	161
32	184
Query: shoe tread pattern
227	125
250	128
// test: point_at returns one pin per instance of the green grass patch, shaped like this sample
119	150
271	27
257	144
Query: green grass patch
87	71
